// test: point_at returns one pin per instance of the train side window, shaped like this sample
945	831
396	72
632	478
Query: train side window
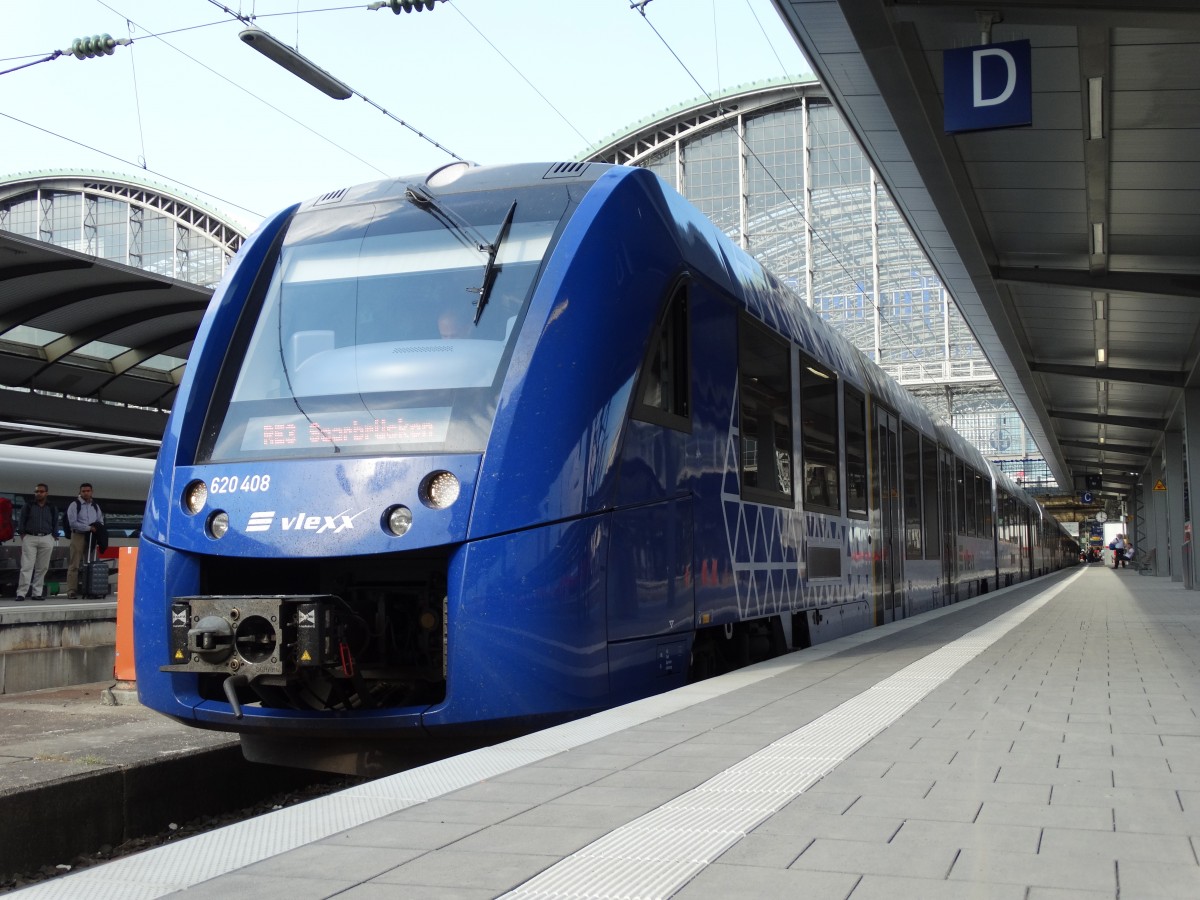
819	435
765	381
983	506
933	525
856	454
913	535
664	395
966	495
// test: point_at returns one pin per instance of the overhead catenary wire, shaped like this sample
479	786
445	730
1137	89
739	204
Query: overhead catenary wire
250	93
640	8
137	101
58	53
521	74
121	159
55	55
249	21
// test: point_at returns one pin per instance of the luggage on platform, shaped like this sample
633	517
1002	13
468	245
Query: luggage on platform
93	574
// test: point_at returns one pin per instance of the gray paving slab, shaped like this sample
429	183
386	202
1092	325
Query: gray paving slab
1017	773
879	887
796	823
399	832
1153	821
1062	763
932	861
935	810
478	812
603	819
837	782
350	864
982	836
770	850
267	887
547	772
496	872
1001	867
1183	762
525	794
1164	800
1175	849
1157	880
1047	893
756	882
508	837
371	891
987	790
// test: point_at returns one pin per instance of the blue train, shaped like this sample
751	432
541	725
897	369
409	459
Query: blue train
465	454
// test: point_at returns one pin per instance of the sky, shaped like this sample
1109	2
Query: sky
493	81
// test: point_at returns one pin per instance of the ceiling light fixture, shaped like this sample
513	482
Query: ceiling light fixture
1095	108
1098	238
1100	309
1101	355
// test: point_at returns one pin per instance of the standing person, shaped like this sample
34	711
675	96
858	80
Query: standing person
37	525
1118	548
85	518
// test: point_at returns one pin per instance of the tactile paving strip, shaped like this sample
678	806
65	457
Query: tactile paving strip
658	853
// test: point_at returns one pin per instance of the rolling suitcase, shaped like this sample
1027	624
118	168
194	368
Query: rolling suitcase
93	575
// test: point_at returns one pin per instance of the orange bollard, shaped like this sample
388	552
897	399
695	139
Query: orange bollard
123	669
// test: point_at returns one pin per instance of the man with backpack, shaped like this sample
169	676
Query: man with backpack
84	519
37	527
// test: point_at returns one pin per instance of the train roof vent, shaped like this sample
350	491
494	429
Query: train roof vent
566	170
331	197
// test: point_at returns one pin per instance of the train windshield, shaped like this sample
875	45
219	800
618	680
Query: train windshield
371	338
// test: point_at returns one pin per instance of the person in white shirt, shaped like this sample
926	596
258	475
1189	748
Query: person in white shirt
85	518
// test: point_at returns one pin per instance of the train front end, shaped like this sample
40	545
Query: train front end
310	523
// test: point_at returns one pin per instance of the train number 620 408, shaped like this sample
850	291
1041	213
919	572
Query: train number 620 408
230	484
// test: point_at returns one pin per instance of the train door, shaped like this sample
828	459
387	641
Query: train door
949	525
1027	535
889	555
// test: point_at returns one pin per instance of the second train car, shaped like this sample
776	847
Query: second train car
475	452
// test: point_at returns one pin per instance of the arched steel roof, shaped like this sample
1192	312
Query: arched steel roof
632	146
93	348
818	222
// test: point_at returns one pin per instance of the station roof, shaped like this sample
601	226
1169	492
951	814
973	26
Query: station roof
92	349
57	398
1077	234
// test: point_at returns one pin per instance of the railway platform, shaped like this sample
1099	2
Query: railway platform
1038	742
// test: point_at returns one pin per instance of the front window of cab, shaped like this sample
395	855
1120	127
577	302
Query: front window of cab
370	336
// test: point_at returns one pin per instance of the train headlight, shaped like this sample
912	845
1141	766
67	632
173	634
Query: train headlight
439	489
218	524
398	520
194	497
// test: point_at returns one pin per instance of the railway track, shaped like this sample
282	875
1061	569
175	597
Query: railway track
258	795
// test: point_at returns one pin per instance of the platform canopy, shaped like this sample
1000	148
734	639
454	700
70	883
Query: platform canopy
103	283
1071	244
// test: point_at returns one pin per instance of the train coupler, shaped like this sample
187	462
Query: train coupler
253	636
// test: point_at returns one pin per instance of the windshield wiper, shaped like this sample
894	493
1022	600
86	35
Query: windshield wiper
489	268
467	233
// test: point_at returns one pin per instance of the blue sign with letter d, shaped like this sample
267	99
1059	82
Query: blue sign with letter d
990	86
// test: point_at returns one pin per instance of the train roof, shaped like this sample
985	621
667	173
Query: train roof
114	477
763	295
462	177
